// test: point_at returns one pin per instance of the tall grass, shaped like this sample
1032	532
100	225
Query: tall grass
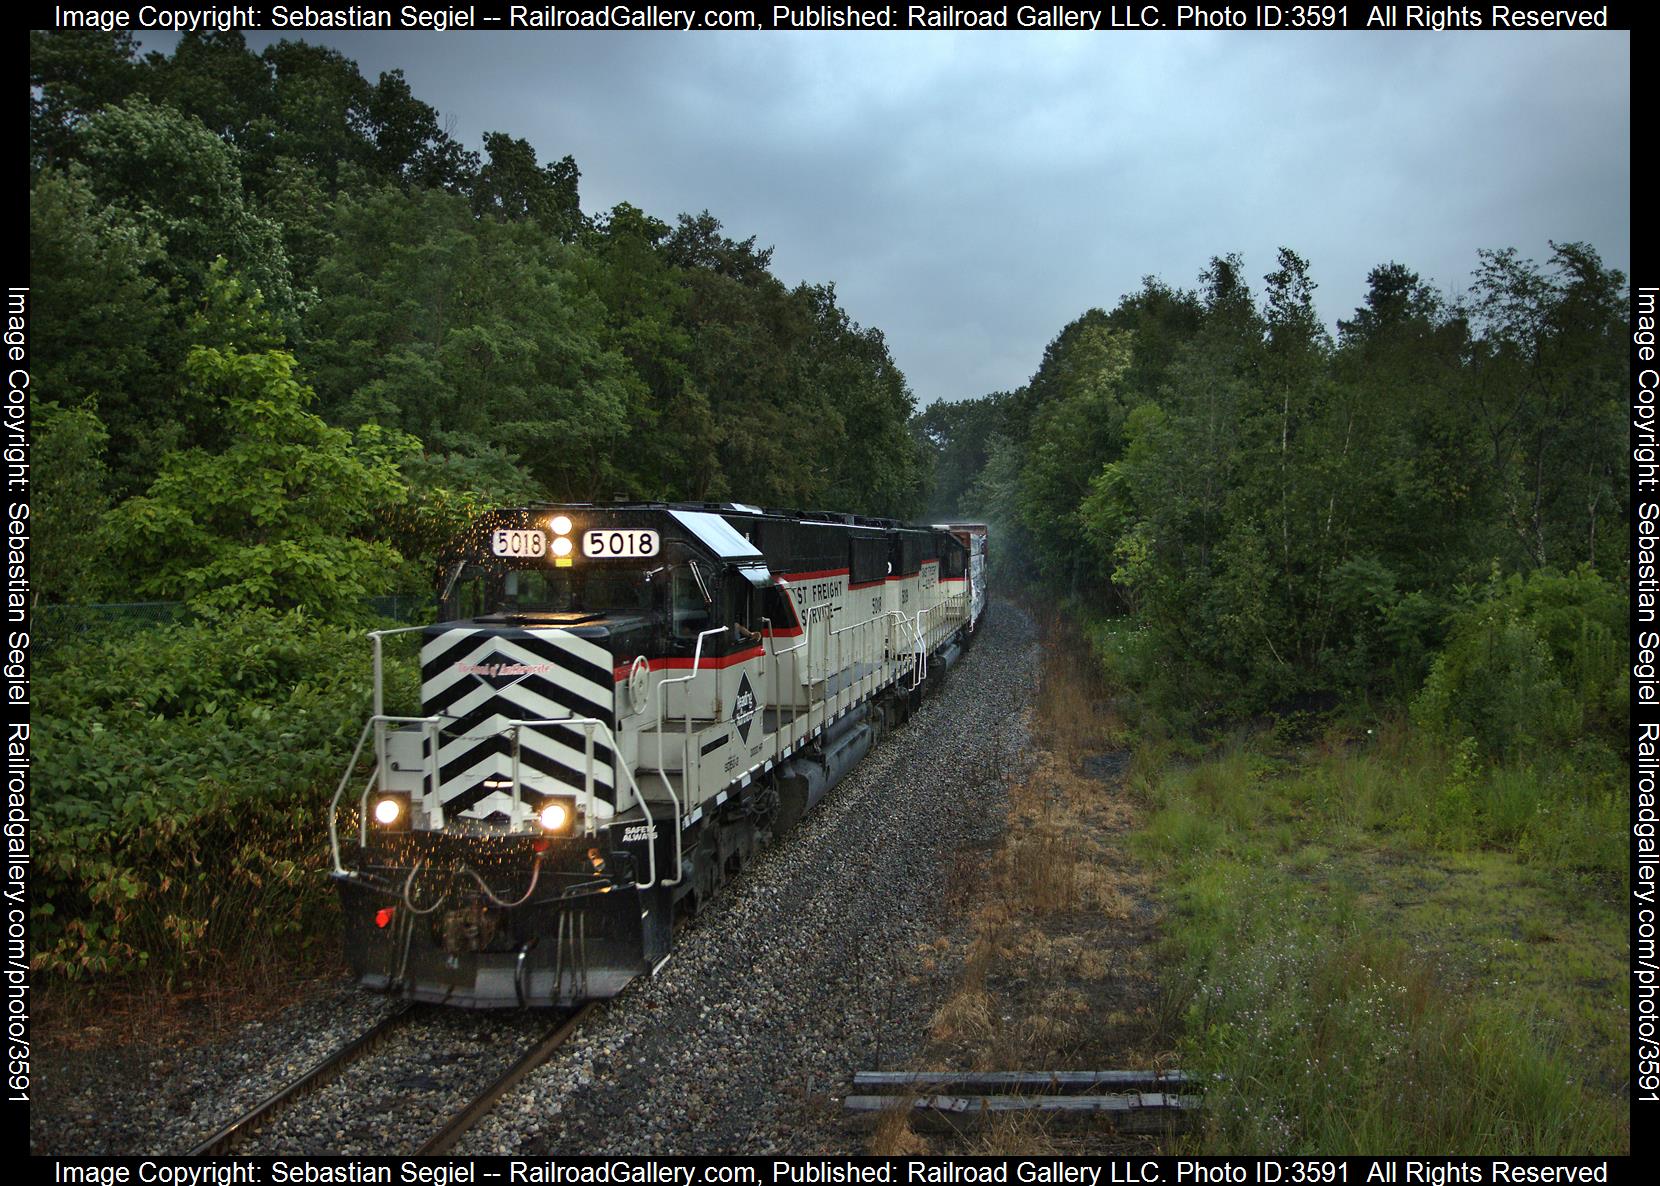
1324	1029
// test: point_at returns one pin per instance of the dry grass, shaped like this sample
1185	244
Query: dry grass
70	1017
894	1136
1058	967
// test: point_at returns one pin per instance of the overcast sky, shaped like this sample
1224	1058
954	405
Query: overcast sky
969	194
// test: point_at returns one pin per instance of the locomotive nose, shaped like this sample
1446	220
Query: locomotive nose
497	691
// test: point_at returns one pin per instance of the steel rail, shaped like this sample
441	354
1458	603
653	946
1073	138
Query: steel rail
444	1140
250	1122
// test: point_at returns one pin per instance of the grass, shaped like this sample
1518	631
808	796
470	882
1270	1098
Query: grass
1379	946
1365	940
1055	970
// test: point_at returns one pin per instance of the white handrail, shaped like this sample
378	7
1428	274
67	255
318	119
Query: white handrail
589	725
378	723
685	761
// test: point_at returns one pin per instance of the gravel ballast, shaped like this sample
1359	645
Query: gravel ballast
805	969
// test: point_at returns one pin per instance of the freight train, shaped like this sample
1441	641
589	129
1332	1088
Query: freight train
619	705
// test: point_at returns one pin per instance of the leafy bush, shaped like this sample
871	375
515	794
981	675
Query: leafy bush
182	777
273	518
1534	664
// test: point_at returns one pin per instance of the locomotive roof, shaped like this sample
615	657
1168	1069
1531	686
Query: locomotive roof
792	514
717	535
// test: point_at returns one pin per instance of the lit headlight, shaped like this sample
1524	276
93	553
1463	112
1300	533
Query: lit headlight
561	545
561	524
556	816
391	811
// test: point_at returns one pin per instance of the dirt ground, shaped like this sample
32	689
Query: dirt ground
1059	943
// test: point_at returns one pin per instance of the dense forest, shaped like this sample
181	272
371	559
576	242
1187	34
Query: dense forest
1291	515
264	276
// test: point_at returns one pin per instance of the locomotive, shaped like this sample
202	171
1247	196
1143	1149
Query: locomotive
620	704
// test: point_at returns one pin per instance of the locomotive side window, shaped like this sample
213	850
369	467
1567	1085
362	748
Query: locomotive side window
690	603
777	610
743	612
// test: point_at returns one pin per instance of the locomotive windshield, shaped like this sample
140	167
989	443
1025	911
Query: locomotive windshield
483	590
679	595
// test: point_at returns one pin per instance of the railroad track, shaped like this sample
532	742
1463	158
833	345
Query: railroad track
444	1140
250	1122
331	1067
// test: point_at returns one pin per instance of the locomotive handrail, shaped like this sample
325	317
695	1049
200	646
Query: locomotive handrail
837	631
806	634
377	723
589	725
686	753
771	640
380	707
375	636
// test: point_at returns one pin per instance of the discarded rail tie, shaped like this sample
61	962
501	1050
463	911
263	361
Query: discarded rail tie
1131	1101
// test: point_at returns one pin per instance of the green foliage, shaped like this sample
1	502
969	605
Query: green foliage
478	333
176	180
958	437
181	778
67	501
103	324
1534	664
1285	515
511	185
270	520
1334	963
73	73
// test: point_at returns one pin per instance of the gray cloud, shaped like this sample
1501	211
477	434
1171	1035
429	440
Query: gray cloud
970	194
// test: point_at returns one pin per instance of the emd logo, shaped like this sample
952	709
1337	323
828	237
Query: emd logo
743	708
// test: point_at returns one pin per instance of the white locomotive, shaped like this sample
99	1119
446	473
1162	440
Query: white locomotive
620	704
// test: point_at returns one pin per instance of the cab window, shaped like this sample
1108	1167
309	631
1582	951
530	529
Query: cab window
689	603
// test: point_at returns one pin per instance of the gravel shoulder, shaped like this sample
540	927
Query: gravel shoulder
809	967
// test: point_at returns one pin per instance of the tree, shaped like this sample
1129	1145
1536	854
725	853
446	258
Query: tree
876	466
278	518
408	145
321	114
958	438
1078	405
72	74
215	78
170	177
1552	372
67	502
472	335
624	263
107	333
511	185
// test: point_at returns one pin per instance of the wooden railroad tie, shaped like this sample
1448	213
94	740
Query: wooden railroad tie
1131	1101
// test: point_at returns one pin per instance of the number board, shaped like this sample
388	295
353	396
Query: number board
606	545
515	543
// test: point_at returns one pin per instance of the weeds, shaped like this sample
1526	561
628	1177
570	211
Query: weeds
1344	963
1054	975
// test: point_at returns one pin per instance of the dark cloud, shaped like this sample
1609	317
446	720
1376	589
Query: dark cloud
970	194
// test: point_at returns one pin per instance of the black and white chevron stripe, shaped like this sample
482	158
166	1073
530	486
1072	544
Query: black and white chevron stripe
480	678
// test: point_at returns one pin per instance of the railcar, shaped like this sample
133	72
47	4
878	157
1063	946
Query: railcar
620	704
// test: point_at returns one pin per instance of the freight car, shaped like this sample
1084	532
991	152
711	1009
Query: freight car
619	705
